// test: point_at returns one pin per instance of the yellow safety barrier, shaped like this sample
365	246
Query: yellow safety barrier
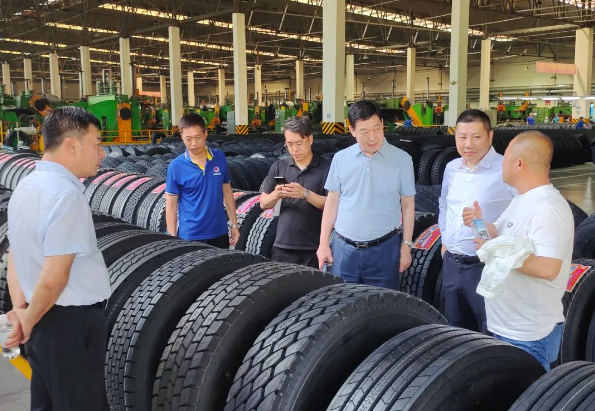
333	127
242	129
451	130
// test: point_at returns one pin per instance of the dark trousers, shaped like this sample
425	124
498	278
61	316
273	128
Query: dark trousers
377	265
66	352
462	305
219	242
302	257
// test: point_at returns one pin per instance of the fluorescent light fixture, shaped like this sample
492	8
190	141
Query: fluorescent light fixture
570	98
529	98
590	98
551	98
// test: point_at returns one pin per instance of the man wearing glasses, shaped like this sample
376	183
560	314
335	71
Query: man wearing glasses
298	183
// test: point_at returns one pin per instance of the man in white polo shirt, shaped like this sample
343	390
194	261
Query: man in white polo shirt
529	313
57	277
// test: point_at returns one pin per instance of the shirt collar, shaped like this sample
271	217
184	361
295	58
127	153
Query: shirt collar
52	166
209	155
314	162
486	161
384	149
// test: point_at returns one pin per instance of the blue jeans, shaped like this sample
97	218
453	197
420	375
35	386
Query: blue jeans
377	265
545	350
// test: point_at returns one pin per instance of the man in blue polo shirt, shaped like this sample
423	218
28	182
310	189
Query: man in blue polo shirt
198	190
371	188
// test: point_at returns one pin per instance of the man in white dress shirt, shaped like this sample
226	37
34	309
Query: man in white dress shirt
57	277
477	175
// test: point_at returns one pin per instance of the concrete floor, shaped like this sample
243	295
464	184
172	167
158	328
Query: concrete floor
577	184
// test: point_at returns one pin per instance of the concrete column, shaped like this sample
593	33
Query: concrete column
55	75
139	84
459	42
85	71
6	78
163	88
240	71
28	73
126	74
190	81
333	64
221	77
299	79
583	59
410	93
258	84
350	77
175	75
484	77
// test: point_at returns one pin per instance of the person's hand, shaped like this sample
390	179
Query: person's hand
279	192
16	336
443	250
235	236
405	261
293	190
469	214
479	242
26	323
325	255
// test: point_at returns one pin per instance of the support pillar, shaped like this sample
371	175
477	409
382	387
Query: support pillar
333	66
28	74
55	75
299	79
583	59
410	93
459	42
191	97
240	73
163	88
175	75
6	78
85	71
350	77
221	77
484	77
126	70
258	84
139	84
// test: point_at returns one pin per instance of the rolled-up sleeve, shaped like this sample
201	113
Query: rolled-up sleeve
332	180
407	183
67	229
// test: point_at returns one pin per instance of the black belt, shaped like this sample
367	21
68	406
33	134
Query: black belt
367	244
464	259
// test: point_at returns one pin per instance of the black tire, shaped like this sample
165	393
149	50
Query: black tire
577	214
576	277
425	166
158	135
110	195
306	353
161	299
247	214
129	198
145	207
439	368
427	199
157	222
105	228
115	245
568	387
448	155
423	221
9	170
584	239
97	182
420	279
8	160
262	234
24	172
20	167
102	190
225	321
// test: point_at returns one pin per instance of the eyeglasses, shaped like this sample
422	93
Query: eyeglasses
297	145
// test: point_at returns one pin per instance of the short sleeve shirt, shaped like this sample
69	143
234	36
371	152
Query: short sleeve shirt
299	221
201	213
370	190
49	216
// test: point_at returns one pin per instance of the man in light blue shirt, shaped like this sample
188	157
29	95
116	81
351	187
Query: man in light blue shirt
371	189
57	277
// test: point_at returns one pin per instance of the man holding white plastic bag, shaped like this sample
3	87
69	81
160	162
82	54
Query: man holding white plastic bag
528	312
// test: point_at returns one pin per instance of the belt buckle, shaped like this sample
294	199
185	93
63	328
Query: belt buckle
360	245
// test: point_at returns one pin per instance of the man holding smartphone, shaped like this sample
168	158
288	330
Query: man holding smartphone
297	182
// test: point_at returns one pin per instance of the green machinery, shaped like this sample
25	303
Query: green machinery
519	112
395	110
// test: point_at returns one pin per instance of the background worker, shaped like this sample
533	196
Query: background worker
302	198
198	190
529	313
57	277
477	175
370	186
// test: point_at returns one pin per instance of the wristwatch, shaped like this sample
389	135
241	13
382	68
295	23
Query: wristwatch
409	243
306	194
235	226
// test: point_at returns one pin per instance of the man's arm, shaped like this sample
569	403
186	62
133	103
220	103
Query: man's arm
171	214
541	267
296	190
14	287
408	210
230	206
443	207
52	281
269	200
329	216
316	200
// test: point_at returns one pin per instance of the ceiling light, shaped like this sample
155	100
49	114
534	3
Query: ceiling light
570	98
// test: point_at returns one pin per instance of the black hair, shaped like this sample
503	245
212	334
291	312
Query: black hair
300	125
474	115
67	121
192	120
363	110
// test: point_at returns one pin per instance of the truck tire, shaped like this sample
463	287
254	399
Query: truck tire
306	353
219	329
115	245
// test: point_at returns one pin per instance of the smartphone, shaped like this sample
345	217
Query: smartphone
280	180
480	229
